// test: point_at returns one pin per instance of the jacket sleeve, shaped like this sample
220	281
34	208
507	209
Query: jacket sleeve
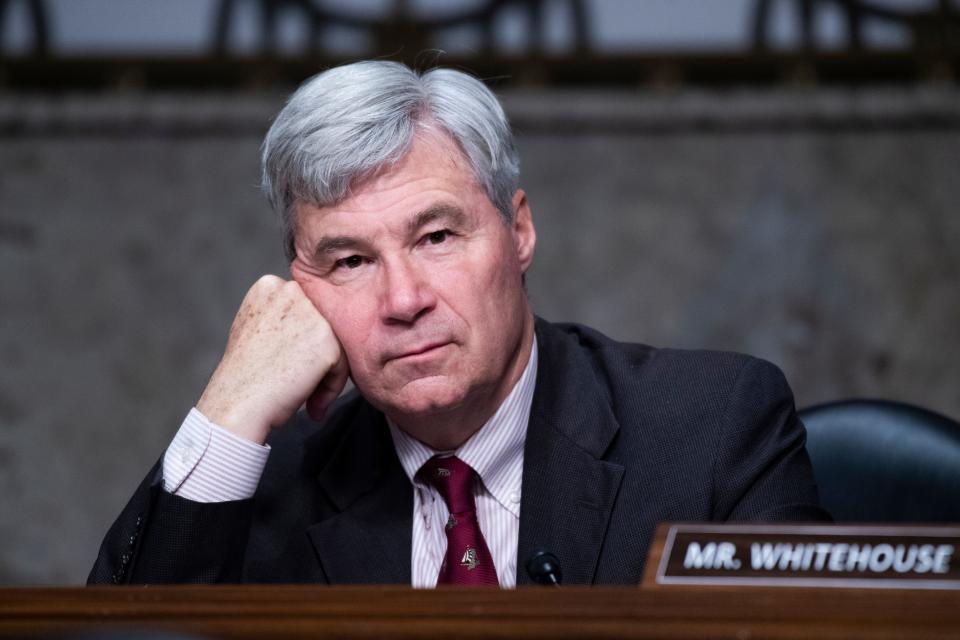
162	538
762	471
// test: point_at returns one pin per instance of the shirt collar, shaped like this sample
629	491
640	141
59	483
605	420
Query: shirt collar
495	451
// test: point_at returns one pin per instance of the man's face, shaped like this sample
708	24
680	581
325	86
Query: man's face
421	281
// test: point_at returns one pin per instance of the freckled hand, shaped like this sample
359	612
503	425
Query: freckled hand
280	353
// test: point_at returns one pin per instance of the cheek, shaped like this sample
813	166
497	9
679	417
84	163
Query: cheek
500	281
343	311
315	291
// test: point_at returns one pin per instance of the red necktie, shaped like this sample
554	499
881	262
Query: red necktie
468	560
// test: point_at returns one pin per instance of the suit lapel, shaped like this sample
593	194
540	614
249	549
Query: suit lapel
368	540
568	489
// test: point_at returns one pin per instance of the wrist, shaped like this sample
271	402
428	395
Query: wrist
233	418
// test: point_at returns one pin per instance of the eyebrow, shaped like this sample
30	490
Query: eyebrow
332	244
443	211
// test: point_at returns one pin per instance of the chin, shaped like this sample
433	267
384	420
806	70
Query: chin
423	397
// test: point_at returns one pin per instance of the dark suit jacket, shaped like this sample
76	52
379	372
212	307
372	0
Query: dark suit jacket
621	437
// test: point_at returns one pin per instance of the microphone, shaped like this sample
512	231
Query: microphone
544	568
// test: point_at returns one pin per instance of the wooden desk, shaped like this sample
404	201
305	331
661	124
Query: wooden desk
569	612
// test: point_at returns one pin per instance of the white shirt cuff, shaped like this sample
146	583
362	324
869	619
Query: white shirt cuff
207	463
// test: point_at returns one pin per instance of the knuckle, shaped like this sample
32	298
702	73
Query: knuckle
291	288
268	282
324	330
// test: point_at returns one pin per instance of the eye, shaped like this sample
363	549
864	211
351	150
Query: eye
350	262
437	237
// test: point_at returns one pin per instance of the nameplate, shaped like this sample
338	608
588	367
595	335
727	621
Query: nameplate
872	556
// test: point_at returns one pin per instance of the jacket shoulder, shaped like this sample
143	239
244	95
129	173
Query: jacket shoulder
660	374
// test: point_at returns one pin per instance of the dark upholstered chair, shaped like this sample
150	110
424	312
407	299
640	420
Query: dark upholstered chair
880	461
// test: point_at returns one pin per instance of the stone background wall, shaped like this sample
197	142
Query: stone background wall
818	230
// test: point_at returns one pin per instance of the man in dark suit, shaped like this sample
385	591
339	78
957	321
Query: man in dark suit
476	433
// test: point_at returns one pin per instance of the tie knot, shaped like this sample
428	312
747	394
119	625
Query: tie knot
453	479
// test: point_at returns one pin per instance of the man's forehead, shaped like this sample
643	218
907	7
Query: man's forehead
342	232
433	180
352	226
337	219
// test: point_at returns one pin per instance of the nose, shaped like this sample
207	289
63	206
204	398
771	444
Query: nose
406	292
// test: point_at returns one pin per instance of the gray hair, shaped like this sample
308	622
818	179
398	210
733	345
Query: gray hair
349	122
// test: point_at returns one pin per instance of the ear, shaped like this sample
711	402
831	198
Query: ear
523	230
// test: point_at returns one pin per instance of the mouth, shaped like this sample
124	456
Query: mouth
415	352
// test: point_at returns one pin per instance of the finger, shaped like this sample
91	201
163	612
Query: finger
328	390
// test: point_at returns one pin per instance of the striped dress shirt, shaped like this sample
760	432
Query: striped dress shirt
496	453
207	463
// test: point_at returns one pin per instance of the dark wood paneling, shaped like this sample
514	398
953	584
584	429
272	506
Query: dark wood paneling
396	612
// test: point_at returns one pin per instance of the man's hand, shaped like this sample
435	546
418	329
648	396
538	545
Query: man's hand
281	353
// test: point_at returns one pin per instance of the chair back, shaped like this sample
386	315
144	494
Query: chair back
881	461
